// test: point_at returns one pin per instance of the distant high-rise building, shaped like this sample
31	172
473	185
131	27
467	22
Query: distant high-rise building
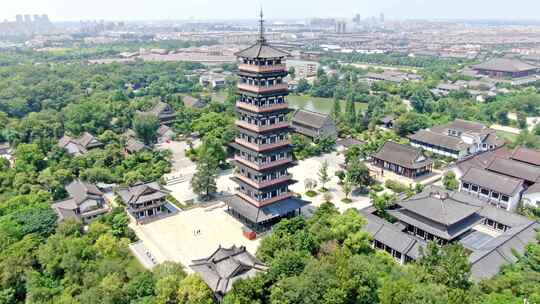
27	19
381	17
19	19
341	27
357	19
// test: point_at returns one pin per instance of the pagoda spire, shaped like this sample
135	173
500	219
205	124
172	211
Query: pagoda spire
261	39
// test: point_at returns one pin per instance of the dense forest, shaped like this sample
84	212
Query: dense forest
41	262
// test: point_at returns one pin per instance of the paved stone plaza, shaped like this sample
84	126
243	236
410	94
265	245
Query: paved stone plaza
175	238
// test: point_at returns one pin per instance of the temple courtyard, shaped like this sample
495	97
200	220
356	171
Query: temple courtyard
192	234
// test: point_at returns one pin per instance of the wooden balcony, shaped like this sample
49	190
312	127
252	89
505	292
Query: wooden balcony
265	202
262	69
262	148
263	89
263	166
259	129
256	109
263	184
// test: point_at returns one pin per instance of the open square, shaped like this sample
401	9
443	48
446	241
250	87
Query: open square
175	238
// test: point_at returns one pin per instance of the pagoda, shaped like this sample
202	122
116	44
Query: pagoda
263	150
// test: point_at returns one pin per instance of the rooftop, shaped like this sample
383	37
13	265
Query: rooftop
226	265
439	206
505	65
142	192
310	118
403	155
515	169
265	213
494	181
527	156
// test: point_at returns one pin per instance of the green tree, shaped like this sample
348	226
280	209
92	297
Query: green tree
303	86
410	123
350	112
358	173
450	182
336	111
292	73
146	128
448	265
204	180
324	177
347	186
193	290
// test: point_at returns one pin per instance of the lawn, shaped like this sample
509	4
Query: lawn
507	136
317	104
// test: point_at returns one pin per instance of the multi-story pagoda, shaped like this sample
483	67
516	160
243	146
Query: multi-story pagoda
263	148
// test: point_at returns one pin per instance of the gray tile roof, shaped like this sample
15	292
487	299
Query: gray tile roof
80	145
309	118
504	217
440	140
225	266
392	236
439	206
460	125
141	193
265	213
493	181
403	155
81	191
515	169
482	160
488	253
134	145
447	232
486	261
505	65
527	156
262	50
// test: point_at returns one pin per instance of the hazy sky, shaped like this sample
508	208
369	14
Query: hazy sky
61	10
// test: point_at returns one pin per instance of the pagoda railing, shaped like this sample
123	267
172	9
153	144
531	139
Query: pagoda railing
260	148
263	89
262	69
262	109
263	184
263	166
267	201
255	128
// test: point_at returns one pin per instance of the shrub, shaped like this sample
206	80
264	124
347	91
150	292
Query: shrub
377	188
311	193
396	186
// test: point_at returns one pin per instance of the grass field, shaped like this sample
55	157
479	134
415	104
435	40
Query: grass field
507	136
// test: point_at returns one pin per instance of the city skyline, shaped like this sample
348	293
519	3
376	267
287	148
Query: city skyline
65	10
